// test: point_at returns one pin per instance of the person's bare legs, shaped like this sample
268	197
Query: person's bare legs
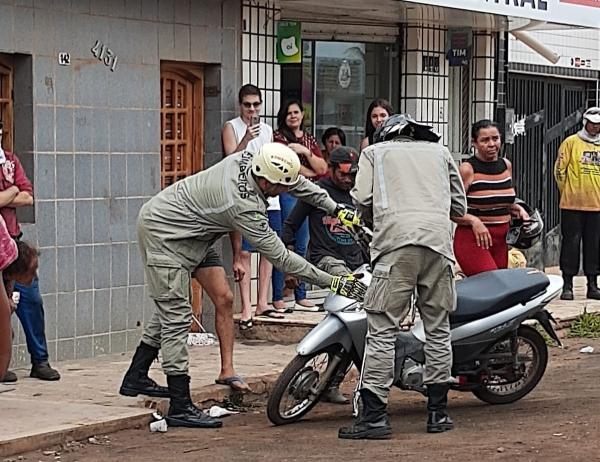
246	260
214	283
265	270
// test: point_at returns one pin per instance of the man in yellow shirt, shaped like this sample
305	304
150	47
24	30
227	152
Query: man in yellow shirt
577	173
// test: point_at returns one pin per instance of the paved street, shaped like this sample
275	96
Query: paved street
558	421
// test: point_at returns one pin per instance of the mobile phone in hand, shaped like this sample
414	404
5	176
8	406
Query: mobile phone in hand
255	120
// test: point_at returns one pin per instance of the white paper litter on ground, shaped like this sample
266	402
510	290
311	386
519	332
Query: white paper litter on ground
218	411
587	349
201	338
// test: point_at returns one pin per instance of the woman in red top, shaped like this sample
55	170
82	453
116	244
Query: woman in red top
480	239
290	131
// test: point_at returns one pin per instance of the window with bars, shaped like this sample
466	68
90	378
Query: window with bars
450	98
259	65
424	71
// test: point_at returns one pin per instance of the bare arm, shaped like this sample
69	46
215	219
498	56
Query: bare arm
22	199
317	164
466	174
8	196
230	144
236	247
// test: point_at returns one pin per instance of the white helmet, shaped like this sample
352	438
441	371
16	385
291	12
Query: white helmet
276	163
592	115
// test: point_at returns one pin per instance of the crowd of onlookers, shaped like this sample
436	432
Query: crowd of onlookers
480	242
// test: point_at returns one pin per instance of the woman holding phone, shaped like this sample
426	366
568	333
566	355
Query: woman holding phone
290	131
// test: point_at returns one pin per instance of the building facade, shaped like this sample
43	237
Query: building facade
548	98
106	102
92	95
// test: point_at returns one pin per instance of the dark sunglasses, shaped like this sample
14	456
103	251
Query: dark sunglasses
248	105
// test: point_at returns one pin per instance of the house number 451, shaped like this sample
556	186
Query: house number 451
105	54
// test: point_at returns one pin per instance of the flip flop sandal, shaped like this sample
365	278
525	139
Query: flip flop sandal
232	381
247	324
271	313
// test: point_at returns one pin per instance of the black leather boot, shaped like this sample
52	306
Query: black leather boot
44	371
182	411
136	380
372	423
592	288
437	401
567	292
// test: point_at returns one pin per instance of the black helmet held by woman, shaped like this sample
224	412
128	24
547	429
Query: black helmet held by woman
522	234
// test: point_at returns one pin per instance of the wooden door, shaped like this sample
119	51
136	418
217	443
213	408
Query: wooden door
181	138
6	100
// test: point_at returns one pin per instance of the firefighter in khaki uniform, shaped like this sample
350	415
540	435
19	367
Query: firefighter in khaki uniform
577	173
176	229
409	187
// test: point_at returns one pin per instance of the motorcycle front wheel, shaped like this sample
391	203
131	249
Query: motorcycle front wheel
300	386
532	358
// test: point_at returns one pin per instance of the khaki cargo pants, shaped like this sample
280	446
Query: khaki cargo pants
387	303
169	287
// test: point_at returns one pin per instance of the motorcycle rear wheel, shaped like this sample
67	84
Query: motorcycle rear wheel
532	341
295	392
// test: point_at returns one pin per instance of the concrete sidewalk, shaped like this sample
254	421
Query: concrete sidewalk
85	402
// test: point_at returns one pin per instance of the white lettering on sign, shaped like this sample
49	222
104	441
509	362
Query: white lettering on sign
584	13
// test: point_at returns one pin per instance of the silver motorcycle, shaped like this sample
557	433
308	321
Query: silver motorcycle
498	355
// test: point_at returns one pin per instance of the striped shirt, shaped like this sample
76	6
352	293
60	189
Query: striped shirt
491	193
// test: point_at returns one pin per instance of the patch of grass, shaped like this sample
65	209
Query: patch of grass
587	325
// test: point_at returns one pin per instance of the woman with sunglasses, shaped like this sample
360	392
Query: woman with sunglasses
290	131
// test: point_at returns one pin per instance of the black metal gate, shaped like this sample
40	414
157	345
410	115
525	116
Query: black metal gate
552	110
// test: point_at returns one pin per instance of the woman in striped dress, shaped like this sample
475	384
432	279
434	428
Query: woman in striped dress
480	239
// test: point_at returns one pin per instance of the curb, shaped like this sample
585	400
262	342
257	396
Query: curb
260	385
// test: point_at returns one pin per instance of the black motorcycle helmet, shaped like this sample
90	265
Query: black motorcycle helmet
404	125
522	234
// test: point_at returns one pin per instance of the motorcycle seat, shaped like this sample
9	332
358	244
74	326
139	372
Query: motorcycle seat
491	292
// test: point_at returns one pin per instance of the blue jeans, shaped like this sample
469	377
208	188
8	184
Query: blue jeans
30	312
288	202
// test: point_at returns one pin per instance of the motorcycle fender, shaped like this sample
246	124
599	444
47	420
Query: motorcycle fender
544	318
330	331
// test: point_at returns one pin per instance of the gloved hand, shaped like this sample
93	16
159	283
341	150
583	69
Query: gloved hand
347	215
349	286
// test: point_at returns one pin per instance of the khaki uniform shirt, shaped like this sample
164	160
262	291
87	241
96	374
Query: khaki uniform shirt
185	219
411	188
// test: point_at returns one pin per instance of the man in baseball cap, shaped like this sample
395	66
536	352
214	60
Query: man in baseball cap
344	159
331	247
577	173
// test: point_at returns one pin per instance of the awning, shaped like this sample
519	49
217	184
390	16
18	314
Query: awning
495	15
